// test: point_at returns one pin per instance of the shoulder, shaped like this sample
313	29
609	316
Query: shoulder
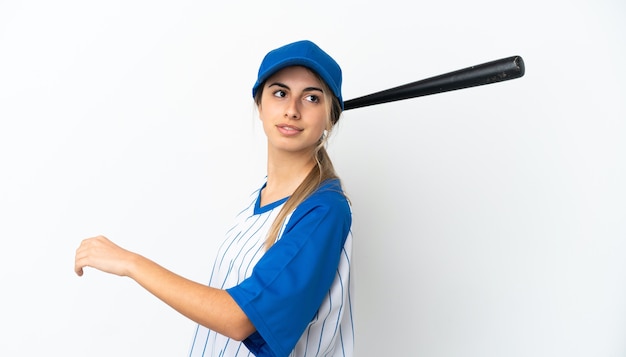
329	193
328	200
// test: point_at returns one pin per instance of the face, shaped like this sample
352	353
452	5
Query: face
294	110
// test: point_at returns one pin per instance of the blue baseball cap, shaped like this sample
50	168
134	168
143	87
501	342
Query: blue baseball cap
301	53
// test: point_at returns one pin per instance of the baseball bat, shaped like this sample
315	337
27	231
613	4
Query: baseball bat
503	69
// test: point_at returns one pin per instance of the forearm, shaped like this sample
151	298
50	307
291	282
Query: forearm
210	307
213	308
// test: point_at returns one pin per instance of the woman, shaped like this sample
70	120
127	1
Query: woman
280	284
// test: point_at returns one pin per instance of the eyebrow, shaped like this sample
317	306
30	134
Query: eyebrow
307	89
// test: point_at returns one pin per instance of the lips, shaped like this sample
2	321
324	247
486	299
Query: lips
288	129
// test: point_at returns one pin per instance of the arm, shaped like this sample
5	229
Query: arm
289	283
210	307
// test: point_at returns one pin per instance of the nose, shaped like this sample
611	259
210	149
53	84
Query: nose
291	110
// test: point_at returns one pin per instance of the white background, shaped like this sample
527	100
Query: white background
489	221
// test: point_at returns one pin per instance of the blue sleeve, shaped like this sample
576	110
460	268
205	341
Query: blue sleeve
290	281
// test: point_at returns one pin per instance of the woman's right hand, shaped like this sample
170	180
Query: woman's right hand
102	254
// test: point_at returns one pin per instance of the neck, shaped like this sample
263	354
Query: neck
285	172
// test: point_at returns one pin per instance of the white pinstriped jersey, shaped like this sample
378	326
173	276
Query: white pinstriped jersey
328	330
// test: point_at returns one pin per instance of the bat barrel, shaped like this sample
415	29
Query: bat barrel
491	72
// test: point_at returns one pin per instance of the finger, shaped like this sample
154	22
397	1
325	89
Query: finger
78	265
80	256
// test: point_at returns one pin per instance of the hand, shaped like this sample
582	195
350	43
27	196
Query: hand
102	254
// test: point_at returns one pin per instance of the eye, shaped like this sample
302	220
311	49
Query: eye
280	93
312	98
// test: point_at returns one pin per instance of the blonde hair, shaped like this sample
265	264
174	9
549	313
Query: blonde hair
322	171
